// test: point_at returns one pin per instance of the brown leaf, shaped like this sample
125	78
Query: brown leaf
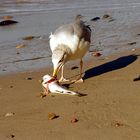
28	37
106	16
20	46
7	17
52	116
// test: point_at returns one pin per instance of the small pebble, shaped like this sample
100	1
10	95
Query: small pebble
132	43
96	54
7	22
74	120
73	68
3	69
133	49
11	86
9	114
17	53
12	136
29	78
136	79
95	19
119	124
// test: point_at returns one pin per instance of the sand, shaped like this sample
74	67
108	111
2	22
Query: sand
109	111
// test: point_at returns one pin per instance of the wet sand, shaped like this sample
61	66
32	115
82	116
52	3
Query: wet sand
109	35
110	111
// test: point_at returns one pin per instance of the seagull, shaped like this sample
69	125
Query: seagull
69	42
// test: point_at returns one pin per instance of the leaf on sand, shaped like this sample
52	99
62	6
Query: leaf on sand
52	116
28	37
20	46
7	17
106	16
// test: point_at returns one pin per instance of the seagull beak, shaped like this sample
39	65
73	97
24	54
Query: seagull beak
55	71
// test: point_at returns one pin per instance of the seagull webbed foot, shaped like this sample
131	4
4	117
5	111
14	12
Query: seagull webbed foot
62	80
78	80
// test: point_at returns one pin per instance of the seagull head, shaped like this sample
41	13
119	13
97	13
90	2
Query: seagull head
59	58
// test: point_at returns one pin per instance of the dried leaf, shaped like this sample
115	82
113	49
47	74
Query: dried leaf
28	38
7	17
20	46
52	116
106	16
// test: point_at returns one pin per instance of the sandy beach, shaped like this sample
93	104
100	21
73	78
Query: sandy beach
109	111
110	108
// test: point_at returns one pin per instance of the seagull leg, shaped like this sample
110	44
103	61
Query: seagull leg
62	79
80	79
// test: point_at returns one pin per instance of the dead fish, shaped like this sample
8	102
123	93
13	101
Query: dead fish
51	84
7	22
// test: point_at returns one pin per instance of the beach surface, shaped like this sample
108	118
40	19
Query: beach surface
110	108
109	111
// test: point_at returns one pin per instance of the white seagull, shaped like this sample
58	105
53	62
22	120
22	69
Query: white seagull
69	42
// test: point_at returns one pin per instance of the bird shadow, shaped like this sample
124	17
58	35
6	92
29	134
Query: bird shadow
110	66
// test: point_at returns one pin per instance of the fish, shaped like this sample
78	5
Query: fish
50	84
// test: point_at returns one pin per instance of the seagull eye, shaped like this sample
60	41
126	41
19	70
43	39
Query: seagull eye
61	60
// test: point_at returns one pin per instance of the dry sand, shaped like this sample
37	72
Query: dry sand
110	111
